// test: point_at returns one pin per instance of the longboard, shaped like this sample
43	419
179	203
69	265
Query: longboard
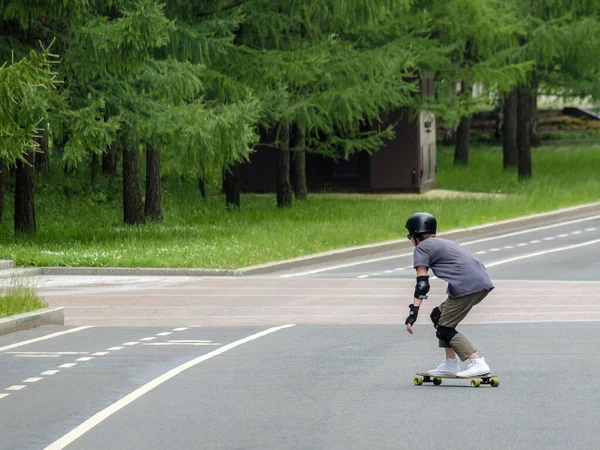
422	377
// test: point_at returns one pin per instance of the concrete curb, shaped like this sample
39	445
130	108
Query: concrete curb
324	257
25	321
6	264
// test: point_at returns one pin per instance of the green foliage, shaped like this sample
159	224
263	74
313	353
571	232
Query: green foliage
18	296
25	97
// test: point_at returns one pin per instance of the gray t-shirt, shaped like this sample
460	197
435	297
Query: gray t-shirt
450	262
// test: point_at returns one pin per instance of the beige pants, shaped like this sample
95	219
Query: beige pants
454	310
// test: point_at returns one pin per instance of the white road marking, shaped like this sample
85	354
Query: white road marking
16	387
482	252
535	241
114	349
388	271
4	395
508	247
363	276
182	343
148	338
522	244
100	353
591	229
85	358
477	241
36	356
189	340
564	235
43	338
50	372
495	250
576	232
49	353
549	238
545	252
67	365
99	417
164	333
130	343
400	268
181	329
32	380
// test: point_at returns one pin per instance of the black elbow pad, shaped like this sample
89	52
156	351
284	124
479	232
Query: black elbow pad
422	287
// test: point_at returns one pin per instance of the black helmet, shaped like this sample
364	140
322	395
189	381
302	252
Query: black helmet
421	223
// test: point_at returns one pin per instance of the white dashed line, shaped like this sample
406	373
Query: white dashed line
148	338
164	333
508	247
50	372
99	417
495	250
564	235
535	241
85	358
388	271
591	229
482	252
576	232
400	268
522	244
130	343
100	353
549	238
32	380
180	329
363	276
16	387
113	349
4	395
67	365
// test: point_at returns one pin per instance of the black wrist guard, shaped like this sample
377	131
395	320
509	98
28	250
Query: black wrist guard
422	287
412	315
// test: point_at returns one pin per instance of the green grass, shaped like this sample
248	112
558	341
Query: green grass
78	228
19	298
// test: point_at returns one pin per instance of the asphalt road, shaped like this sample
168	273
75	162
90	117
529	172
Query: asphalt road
313	359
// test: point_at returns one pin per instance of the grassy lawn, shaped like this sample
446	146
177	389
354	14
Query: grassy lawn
18	297
80	228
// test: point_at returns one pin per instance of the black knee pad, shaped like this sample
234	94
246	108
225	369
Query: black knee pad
445	334
435	316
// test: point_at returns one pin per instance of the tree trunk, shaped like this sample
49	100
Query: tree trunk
284	185
509	129
133	206
109	159
3	179
202	186
95	168
153	208
535	138
42	158
463	141
24	219
299	166
524	134
231	186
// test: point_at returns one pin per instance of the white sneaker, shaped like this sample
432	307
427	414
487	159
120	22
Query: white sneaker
446	367
475	368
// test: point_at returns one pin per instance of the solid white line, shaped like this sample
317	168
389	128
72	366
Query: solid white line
32	380
48	353
36	356
477	241
188	340
129	398
50	372
545	252
43	338
207	344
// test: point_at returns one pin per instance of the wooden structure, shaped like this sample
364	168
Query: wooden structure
406	163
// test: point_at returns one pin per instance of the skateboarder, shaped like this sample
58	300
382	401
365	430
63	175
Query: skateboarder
468	284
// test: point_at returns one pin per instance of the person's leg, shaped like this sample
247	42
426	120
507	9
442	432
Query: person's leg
453	312
450	365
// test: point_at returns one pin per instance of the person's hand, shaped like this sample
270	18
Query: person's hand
412	317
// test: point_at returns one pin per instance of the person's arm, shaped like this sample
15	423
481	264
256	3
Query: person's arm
421	290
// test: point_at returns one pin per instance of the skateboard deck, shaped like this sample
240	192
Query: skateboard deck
423	377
